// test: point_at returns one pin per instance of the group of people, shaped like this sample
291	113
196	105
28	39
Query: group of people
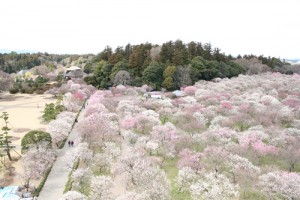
71	143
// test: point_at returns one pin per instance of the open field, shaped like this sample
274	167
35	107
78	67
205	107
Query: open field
25	114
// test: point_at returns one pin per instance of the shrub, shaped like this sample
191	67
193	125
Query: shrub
39	91
29	90
68	186
51	111
14	90
34	137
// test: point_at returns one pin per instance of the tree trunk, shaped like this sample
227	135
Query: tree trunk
8	154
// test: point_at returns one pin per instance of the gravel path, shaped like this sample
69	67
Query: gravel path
58	177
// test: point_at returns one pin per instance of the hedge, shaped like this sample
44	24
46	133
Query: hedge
68	186
42	183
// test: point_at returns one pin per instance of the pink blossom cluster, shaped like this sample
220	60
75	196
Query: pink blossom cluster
188	158
255	141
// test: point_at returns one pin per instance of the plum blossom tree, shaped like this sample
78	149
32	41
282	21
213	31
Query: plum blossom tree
129	122
101	163
59	130
185	178
214	158
291	152
141	123
123	78
98	128
189	123
218	136
151	180
100	188
95	108
188	158
242	171
71	102
165	136
280	184
37	160
81	178
213	186
190	90
255	139
143	176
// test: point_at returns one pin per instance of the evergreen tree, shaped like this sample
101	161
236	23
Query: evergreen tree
192	50
5	139
166	52
170	82
153	75
179	56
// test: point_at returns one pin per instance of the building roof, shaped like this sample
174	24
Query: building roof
22	72
178	93
72	68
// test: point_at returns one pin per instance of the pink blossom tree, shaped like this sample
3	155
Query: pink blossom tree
98	128
190	90
188	158
255	140
95	108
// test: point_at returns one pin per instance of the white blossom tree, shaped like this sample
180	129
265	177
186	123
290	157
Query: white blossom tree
100	188
122	78
280	184
213	186
35	163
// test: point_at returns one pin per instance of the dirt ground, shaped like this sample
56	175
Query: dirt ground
25	114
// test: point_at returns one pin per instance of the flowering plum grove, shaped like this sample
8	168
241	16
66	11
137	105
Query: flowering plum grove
235	138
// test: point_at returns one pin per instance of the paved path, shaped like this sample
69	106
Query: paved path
120	186
58	177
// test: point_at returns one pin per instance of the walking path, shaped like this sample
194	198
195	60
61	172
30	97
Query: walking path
58	177
120	186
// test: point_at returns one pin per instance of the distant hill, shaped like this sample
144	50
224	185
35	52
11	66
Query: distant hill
293	61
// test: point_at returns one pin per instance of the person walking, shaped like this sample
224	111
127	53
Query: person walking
69	143
72	143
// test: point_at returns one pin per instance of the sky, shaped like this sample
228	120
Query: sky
259	27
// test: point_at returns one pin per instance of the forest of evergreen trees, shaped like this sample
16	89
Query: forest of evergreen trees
171	65
14	62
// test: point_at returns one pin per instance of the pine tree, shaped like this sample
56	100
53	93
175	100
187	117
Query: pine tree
5	139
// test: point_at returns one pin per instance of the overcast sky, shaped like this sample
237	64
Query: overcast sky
268	27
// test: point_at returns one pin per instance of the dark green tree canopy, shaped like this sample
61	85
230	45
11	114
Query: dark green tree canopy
35	137
153	75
